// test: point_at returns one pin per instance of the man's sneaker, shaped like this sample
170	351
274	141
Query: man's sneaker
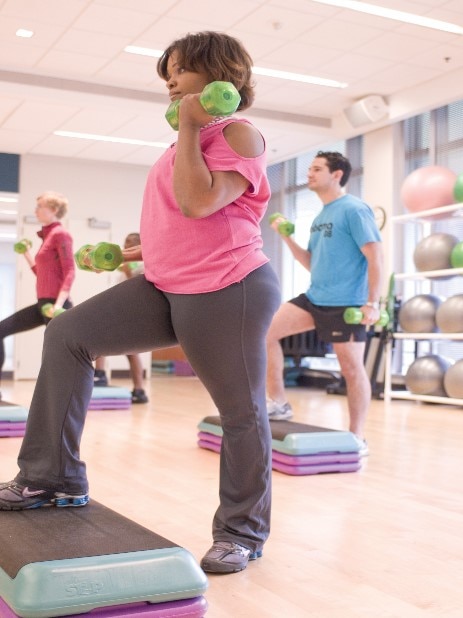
363	451
14	497
139	396
100	379
279	411
226	557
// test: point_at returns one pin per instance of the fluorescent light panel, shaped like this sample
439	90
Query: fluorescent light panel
107	138
24	33
408	18
296	77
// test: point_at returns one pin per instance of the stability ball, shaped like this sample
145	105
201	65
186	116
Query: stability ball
449	315
433	252
428	187
418	314
425	376
453	380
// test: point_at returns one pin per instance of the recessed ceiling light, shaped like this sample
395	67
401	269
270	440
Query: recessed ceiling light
297	77
9	200
25	34
408	18
143	51
108	138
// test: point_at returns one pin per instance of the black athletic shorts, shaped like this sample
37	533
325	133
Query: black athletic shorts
329	322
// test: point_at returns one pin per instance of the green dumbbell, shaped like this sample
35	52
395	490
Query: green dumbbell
47	310
217	99
22	245
353	315
285	227
103	256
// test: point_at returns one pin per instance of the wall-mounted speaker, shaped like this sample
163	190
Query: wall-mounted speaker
369	109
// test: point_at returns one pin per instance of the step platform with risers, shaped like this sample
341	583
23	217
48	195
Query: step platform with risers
12	419
68	561
110	398
297	448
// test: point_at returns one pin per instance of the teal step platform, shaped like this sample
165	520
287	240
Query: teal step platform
12	420
61	562
12	412
110	398
297	448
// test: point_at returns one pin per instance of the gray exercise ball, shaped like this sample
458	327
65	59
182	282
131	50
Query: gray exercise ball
418	314
433	252
449	315
453	380
425	376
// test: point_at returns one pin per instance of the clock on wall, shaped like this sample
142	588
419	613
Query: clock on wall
380	216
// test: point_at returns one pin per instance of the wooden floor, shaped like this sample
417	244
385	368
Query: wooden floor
384	542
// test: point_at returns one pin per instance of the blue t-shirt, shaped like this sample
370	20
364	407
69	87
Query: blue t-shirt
338	267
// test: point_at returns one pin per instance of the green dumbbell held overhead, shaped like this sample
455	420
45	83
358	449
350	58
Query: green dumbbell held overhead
103	256
217	99
285	227
47	310
22	245
353	315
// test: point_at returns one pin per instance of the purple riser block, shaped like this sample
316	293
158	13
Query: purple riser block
210	446
315	469
12	425
185	608
213	442
109	404
16	433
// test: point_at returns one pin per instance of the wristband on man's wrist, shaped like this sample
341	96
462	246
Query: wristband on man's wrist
372	304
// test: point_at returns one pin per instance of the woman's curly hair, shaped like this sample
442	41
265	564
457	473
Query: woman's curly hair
219	55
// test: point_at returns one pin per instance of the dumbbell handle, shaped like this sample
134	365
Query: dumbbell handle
285	227
49	312
217	99
353	315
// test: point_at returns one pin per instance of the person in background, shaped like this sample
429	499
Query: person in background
128	270
53	267
208	286
345	260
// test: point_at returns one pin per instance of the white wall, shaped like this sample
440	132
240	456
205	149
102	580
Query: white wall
380	182
107	191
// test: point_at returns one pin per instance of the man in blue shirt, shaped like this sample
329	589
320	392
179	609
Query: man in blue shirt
345	260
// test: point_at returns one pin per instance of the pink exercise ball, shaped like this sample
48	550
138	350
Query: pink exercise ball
428	187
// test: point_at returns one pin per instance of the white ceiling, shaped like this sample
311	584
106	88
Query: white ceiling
73	74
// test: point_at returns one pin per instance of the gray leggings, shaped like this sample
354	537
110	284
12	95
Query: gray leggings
223	336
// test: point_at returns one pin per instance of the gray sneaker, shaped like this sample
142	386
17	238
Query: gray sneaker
226	557
363	451
14	497
279	411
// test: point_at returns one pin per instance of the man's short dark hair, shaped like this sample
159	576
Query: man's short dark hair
337	161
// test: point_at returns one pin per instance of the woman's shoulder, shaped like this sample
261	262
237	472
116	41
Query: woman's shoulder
244	138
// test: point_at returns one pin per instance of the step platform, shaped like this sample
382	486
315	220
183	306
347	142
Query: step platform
110	398
297	448
12	419
68	561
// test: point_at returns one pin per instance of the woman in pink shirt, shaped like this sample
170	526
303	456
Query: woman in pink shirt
207	286
53	266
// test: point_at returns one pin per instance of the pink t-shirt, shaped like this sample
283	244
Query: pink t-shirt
193	256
